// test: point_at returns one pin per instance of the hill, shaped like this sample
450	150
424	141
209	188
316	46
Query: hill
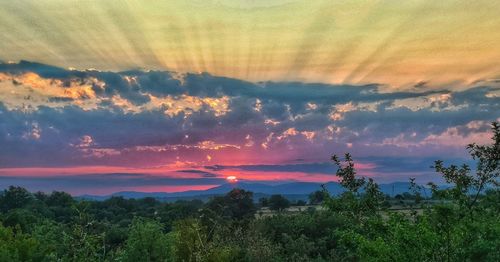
292	191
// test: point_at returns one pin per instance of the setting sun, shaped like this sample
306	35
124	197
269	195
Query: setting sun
232	179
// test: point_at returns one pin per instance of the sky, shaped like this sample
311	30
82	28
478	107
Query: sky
163	96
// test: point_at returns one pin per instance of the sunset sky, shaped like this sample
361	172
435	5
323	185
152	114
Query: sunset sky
104	96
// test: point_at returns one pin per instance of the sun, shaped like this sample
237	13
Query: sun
232	179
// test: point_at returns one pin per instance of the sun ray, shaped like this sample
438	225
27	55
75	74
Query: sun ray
393	43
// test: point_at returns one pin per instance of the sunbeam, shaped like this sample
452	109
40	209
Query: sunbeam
397	43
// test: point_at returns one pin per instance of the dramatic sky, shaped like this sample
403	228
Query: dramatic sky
105	96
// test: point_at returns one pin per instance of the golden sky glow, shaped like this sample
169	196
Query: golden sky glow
398	43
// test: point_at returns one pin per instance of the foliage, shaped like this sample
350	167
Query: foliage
237	204
317	197
147	242
17	246
15	197
278	202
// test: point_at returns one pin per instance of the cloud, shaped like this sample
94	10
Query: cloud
51	116
200	172
105	182
323	168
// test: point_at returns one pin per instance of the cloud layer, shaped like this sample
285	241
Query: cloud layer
54	117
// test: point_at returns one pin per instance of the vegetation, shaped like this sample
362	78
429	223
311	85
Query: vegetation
461	224
278	203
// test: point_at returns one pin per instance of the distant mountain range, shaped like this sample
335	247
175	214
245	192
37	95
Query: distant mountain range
293	191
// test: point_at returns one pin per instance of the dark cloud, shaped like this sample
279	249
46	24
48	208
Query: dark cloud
200	172
380	164
102	181
318	168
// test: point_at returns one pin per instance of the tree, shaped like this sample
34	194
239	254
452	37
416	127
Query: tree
464	181
58	198
14	197
147	242
264	201
181	209
357	204
22	218
278	202
316	197
237	204
190	240
17	246
300	203
347	174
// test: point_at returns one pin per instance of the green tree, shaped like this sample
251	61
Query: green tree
278	203
17	246
264	201
58	198
465	181
15	197
317	197
237	204
190	240
147	242
300	203
362	199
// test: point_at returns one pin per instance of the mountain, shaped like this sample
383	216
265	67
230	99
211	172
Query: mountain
293	191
